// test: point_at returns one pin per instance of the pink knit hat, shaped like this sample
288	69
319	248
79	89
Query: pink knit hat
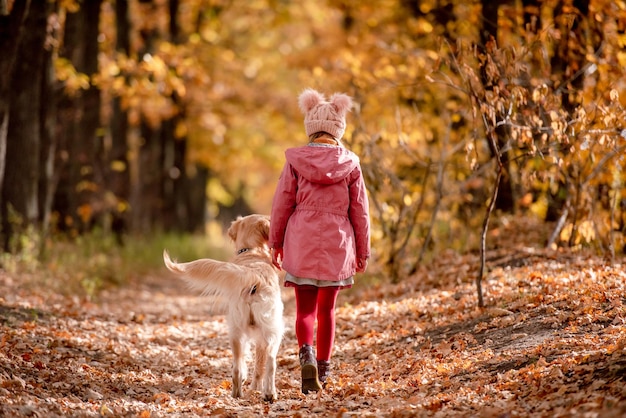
321	115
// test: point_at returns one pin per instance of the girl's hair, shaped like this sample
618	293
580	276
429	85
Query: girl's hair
319	134
321	137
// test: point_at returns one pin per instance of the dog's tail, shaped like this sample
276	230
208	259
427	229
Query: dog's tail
171	265
211	277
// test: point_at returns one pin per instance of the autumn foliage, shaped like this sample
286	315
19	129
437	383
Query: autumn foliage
169	115
492	138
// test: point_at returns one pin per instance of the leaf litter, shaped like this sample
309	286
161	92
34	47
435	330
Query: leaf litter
551	343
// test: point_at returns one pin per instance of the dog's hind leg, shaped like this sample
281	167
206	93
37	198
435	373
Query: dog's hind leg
240	369
259	366
269	376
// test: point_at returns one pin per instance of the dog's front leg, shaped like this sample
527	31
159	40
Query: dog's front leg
240	370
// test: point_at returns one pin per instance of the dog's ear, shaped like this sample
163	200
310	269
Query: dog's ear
264	227
234	228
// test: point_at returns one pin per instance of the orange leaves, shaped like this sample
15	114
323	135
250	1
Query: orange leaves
410	349
162	398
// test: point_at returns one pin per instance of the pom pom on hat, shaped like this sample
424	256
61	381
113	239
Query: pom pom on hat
322	115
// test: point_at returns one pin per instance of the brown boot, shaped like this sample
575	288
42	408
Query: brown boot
308	366
323	371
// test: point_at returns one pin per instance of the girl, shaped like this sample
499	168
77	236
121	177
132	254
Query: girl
320	229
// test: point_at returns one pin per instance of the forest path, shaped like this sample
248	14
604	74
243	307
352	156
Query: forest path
149	348
551	343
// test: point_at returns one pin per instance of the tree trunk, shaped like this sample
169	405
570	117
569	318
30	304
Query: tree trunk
147	199
20	193
147	187
118	165
11	30
79	117
186	203
48	118
195	198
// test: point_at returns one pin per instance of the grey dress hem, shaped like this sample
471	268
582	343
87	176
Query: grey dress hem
301	281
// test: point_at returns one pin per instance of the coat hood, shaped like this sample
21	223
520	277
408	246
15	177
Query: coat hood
322	164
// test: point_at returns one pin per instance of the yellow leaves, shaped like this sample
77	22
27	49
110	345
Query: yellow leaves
540	207
118	166
73	80
155	66
585	233
408	200
426	6
227	55
217	193
386	72
209	35
421	26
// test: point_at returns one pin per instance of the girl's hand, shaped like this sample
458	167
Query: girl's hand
277	254
361	265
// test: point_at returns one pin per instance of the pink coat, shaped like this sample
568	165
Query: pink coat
320	213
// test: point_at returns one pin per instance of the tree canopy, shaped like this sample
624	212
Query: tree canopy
136	115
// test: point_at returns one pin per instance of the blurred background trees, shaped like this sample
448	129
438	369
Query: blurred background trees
134	116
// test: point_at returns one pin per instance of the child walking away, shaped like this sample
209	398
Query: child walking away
320	229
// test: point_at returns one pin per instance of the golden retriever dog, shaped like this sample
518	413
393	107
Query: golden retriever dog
250	288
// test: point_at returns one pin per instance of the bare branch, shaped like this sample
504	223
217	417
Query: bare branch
483	237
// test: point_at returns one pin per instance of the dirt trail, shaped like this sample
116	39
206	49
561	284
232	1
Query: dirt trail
551	344
150	348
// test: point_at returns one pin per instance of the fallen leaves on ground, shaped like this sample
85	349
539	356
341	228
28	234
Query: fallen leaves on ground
551	343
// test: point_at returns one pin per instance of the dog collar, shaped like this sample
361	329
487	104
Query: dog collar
243	250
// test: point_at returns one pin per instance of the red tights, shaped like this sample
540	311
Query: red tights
316	303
